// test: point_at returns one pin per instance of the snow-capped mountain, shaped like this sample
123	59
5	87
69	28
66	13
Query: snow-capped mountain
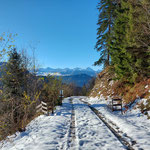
78	76
66	71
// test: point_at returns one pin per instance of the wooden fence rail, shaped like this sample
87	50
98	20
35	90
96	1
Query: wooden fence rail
115	104
42	108
45	108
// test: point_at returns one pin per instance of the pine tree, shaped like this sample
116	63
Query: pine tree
13	83
123	38
105	24
121	58
141	32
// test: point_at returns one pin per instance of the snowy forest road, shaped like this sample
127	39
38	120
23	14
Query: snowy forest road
110	126
91	132
73	126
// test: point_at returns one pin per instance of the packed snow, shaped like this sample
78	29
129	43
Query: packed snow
52	132
92	133
43	133
133	123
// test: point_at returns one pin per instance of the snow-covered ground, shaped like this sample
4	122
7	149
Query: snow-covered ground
52	132
44	133
132	123
92	133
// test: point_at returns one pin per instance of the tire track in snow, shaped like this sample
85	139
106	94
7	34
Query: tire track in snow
72	132
117	135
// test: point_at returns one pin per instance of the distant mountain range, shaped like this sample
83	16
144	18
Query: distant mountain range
77	76
67	71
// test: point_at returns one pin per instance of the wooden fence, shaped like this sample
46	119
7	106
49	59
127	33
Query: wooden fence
42	107
115	104
45	108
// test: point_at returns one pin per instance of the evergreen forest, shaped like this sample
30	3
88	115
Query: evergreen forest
123	38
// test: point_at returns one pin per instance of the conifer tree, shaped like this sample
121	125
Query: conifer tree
123	38
105	24
13	83
121	58
12	80
141	33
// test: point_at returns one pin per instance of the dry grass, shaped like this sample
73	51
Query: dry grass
131	92
106	86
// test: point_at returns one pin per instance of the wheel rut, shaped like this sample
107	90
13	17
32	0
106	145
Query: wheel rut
124	142
72	130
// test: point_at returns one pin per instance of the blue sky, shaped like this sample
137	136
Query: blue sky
65	30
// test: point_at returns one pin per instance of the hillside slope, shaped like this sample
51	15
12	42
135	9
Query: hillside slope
79	80
106	87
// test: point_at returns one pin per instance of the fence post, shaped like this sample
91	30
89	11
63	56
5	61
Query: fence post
61	96
112	105
52	105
